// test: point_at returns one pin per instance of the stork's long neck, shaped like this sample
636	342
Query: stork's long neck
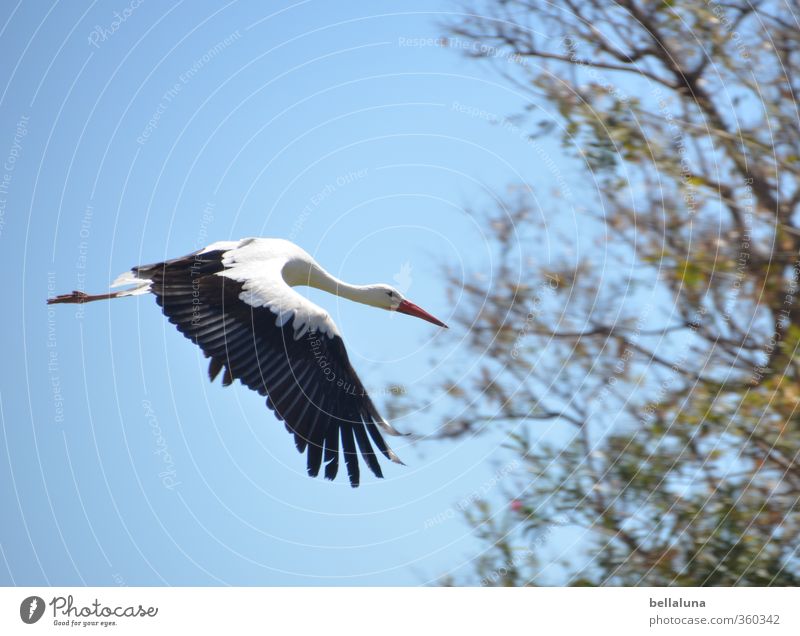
316	276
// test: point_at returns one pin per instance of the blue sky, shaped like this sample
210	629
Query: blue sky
342	126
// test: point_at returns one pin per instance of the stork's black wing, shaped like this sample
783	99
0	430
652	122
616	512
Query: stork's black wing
309	382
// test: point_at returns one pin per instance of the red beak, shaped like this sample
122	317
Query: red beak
411	309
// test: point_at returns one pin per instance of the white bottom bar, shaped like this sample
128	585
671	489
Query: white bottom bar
390	611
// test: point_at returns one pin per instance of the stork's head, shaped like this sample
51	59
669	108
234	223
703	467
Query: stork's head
387	297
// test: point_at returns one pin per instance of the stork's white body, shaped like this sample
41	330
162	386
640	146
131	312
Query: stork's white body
268	269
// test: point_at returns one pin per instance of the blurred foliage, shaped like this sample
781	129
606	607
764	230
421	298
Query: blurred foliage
649	379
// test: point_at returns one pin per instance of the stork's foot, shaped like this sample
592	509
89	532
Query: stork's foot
78	297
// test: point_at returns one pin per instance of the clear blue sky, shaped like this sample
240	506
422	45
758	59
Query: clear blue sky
342	126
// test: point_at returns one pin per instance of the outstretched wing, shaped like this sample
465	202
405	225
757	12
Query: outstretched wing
308	380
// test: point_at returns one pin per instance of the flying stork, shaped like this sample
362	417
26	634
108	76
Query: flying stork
235	300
